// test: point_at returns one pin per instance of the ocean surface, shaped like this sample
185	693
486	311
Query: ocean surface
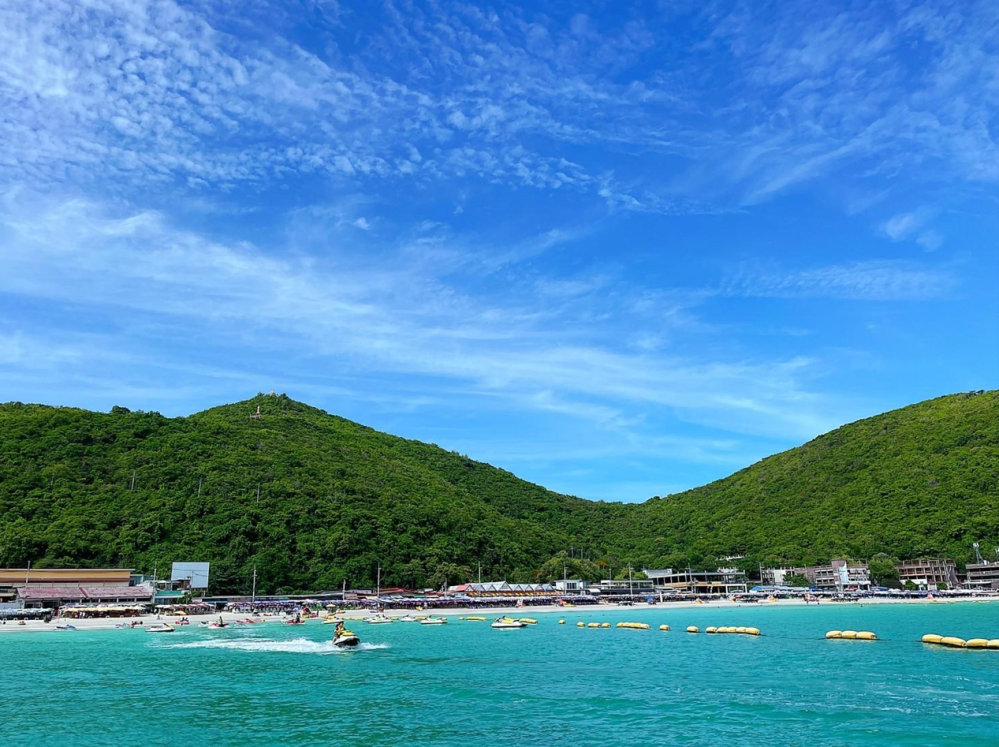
550	684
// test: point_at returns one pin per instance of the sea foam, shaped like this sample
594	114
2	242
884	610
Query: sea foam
291	646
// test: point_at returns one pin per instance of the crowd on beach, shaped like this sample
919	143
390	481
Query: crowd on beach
111	615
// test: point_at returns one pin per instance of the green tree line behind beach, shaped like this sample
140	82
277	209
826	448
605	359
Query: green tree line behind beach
313	501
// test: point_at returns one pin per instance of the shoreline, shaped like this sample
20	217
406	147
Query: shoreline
37	626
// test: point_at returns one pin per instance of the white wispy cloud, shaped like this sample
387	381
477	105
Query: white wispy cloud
126	94
886	280
385	315
913	226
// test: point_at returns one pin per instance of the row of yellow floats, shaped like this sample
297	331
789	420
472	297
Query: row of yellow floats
740	630
945	640
848	635
852	635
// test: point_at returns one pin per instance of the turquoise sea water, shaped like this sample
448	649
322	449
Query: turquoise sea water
466	684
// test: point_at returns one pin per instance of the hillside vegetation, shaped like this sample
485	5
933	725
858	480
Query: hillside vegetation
312	500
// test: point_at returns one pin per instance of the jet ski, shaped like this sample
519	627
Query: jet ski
507	623
160	628
346	639
434	621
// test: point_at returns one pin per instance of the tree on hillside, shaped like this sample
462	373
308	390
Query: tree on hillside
450	574
562	566
883	571
635	575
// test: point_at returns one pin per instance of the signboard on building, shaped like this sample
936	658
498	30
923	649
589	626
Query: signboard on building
195	573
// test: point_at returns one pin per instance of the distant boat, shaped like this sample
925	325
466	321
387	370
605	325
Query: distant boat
377	620
507	623
160	628
65	627
407	619
434	621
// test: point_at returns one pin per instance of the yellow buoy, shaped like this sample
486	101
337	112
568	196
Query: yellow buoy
977	643
834	634
932	638
994	643
561	622
741	629
580	625
849	634
753	631
664	628
693	629
711	629
593	625
866	635
605	625
953	641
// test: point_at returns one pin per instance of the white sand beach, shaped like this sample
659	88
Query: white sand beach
36	626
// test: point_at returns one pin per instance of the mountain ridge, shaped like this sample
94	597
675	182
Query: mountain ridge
313	499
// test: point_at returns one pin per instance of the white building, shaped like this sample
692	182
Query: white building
774	576
722	581
572	586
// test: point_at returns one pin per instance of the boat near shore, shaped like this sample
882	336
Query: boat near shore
507	623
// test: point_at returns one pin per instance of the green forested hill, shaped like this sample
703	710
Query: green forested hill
921	480
336	498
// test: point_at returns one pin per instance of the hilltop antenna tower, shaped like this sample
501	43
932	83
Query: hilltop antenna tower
256	415
978	555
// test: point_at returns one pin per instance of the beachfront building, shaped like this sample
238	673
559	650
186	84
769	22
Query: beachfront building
775	576
721	582
53	588
983	576
623	587
502	589
840	574
572	586
928	573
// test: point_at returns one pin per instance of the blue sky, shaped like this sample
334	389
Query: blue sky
620	249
